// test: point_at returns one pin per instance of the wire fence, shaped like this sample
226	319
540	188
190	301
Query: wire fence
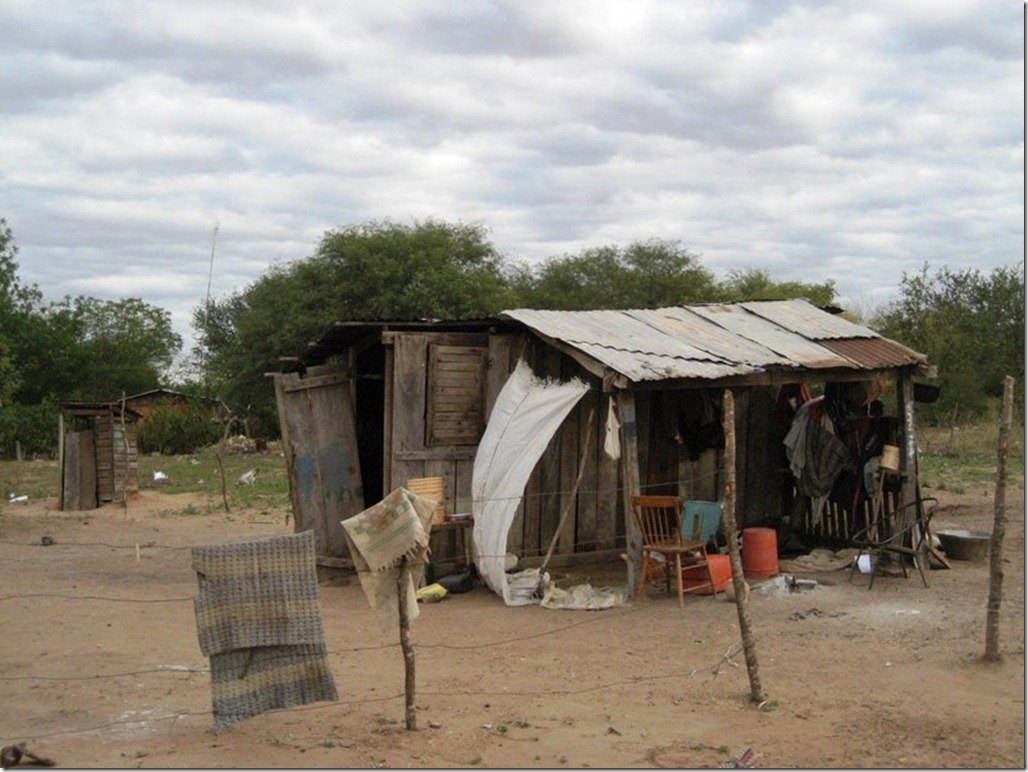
714	668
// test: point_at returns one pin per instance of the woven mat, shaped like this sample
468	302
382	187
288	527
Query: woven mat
258	620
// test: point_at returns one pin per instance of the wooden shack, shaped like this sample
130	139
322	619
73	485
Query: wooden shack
98	456
369	405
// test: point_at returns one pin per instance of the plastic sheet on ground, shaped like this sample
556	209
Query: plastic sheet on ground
584	597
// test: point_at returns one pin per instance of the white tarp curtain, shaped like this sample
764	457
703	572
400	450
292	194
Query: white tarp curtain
527	413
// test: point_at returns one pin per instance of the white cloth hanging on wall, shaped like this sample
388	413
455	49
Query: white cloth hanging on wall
527	413
612	441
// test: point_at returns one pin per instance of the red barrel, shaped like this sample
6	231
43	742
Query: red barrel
759	553
720	570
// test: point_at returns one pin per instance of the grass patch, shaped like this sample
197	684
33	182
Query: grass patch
201	473
192	473
35	479
964	457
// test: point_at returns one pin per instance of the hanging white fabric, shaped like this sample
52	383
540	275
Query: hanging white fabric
612	441
527	413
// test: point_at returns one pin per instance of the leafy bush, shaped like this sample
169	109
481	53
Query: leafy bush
34	426
173	430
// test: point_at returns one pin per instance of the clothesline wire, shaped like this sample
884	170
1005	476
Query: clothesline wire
630	681
584	491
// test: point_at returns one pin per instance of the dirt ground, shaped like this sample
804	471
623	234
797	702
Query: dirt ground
101	667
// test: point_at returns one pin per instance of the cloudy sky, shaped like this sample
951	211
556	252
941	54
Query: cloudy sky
851	141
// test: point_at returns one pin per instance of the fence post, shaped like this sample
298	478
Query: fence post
999	525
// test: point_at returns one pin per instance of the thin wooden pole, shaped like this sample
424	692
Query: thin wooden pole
221	471
405	645
998	528
731	533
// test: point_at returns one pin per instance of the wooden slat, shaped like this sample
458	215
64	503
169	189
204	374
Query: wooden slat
586	527
455	394
569	451
607	498
630	475
295	383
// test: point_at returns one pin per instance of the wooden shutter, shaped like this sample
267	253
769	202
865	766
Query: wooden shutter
456	395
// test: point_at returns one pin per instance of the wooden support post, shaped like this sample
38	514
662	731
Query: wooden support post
60	456
410	711
630	481
221	472
908	467
731	533
998	528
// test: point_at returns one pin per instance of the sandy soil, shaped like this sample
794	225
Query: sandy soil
100	664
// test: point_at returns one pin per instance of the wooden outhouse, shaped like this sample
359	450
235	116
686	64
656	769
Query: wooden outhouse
369	405
98	456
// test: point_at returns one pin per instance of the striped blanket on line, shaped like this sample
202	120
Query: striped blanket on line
259	622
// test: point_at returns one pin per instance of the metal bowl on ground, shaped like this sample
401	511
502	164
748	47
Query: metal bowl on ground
961	544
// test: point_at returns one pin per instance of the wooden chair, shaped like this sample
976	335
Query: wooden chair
659	519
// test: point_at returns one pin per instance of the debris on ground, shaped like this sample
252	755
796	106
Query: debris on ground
241	444
743	760
13	755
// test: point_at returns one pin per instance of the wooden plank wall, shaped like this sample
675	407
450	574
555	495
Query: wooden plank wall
758	462
411	455
104	440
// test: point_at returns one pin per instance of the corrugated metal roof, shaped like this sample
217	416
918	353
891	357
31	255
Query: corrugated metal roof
718	340
685	323
786	342
801	316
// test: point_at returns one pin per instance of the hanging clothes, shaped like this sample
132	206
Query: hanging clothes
816	455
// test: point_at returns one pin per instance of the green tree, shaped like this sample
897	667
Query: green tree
970	325
374	271
756	284
645	274
84	348
8	277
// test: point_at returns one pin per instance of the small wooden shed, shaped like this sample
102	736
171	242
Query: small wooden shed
369	405
98	456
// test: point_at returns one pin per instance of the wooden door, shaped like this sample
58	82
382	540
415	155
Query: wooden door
320	444
79	473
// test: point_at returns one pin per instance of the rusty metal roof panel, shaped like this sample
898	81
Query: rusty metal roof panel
787	343
875	353
800	316
642	366
683	322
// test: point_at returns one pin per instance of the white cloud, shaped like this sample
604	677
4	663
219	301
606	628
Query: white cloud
819	141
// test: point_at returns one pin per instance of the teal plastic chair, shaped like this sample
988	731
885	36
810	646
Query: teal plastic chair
700	520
